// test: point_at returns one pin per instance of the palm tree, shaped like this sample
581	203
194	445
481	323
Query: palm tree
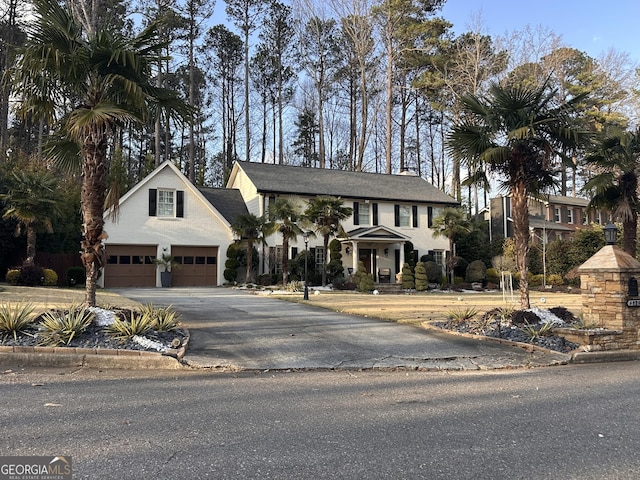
251	227
87	86
449	223
32	201
615	186
516	133
284	215
326	213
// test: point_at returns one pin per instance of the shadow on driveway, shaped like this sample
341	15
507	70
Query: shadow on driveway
236	329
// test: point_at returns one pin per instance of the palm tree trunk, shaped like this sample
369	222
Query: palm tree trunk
630	224
451	262
285	260
249	259
630	227
324	263
31	245
94	184
520	216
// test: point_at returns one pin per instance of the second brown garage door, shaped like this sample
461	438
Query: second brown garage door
198	266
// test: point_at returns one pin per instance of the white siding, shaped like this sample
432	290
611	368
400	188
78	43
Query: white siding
200	226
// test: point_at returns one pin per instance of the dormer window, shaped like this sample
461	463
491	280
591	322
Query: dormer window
166	203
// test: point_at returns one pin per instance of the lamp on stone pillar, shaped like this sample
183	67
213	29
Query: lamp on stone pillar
610	234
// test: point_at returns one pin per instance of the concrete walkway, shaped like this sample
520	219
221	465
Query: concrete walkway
236	329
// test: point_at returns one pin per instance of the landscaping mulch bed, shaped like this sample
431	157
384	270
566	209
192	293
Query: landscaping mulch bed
96	336
525	326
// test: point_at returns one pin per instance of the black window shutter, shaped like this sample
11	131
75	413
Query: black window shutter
396	215
375	214
180	203
429	217
294	252
153	201
414	214
356	212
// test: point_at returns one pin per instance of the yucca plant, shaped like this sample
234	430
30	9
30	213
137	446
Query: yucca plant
166	319
461	315
16	318
535	331
482	324
126	329
61	327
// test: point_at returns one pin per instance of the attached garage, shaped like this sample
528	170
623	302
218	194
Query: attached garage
198	266
130	266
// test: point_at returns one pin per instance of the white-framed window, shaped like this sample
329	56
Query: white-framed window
570	215
166	203
404	216
364	217
438	257
319	260
556	214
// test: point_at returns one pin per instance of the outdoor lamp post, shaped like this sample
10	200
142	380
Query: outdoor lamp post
610	234
306	250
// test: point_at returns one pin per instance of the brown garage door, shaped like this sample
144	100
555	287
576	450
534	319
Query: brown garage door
130	266
198	266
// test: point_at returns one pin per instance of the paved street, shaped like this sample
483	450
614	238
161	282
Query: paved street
232	328
567	422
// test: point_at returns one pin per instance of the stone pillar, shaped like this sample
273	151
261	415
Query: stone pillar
609	283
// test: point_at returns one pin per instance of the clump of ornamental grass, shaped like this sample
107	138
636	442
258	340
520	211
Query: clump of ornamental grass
16	318
536	331
165	319
461	315
60	327
138	324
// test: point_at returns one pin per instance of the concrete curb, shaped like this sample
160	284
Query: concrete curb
605	356
95	357
121	360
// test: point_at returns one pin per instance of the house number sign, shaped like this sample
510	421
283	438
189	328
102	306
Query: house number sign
633	303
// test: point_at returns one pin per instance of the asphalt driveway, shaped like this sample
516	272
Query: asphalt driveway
236	329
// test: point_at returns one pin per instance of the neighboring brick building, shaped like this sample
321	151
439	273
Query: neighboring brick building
556	216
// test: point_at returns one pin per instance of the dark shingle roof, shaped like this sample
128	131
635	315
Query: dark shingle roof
571	201
285	179
227	201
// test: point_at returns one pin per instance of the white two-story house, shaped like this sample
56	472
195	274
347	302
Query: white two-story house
165	214
388	211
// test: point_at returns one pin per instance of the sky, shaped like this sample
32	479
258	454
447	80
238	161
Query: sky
591	26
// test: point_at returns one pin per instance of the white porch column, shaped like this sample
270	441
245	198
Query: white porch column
354	258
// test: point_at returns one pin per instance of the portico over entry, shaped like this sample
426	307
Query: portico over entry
378	248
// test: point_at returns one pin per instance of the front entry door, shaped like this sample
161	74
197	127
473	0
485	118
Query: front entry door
368	257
